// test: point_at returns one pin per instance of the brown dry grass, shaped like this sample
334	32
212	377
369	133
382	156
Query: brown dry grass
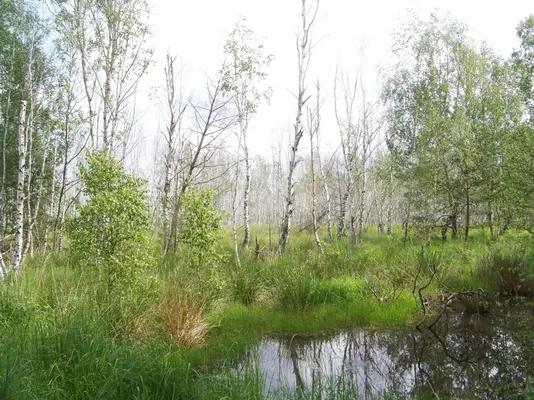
182	321
516	282
141	328
265	298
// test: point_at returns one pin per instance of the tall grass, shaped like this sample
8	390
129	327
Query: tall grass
63	334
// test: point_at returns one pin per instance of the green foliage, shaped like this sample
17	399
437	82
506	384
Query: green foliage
244	71
452	108
111	228
523	60
201	223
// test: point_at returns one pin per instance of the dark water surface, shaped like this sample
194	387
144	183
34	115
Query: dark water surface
474	356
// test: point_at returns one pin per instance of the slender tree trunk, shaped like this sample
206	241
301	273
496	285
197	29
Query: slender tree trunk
327	196
405	231
454	225
81	17
108	139
467	215
29	151
3	268
304	48
234	211
389	221
246	197
313	130
3	184
29	172
174	219
19	205
349	141
89	97
343	212
165	213
173	139
363	175
169	157
362	204
390	204
169	161
490	221
51	205
33	218
323	175
444	230
352	226
60	214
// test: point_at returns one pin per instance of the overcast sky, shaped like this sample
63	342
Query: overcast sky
196	29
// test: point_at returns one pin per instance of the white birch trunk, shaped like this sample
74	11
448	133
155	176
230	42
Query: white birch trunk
246	197
349	142
234	210
19	205
363	175
314	129
304	48
33	216
58	224
29	167
3	267
326	191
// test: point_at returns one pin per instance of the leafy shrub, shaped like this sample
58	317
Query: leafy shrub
110	229
201	224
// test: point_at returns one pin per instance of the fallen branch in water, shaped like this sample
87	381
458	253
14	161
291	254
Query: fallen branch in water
420	290
393	295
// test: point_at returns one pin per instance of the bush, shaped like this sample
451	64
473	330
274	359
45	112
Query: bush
111	228
201	224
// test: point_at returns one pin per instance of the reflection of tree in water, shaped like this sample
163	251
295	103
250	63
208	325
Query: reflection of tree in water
471	356
463	356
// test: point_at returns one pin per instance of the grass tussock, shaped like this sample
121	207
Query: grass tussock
508	269
182	321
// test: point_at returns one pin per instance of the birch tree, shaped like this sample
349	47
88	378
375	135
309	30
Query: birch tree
349	135
326	185
243	73
172	134
110	38
371	125
212	120
304	50
19	204
235	202
314	126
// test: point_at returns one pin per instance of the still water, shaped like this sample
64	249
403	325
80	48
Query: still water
474	356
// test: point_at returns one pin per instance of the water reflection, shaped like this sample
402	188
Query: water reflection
464	356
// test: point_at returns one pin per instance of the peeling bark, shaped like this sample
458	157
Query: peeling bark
19	205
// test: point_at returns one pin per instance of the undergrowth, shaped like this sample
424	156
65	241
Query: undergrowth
63	334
